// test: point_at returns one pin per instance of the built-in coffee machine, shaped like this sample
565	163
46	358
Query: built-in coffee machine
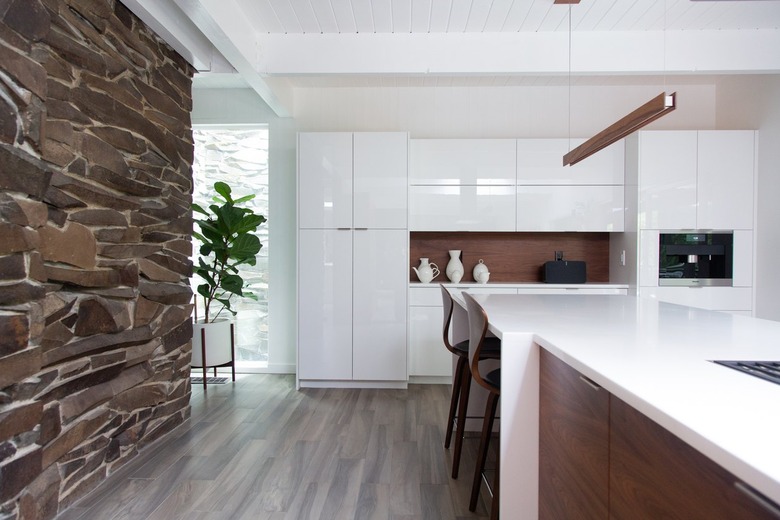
696	258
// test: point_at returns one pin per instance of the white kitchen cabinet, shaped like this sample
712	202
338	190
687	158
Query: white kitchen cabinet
325	304
462	161
667	180
696	180
325	180
379	288
743	258
649	244
725	179
710	298
380	180
570	208
540	161
462	208
352	259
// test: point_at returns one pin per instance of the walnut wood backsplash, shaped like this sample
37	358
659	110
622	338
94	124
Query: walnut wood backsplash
511	257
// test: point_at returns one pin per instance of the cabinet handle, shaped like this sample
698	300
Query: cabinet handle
590	383
361	229
758	498
343	228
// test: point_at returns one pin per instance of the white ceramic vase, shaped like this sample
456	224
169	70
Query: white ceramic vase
426	271
480	272
454	270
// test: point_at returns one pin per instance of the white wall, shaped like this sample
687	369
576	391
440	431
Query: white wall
243	106
753	102
492	112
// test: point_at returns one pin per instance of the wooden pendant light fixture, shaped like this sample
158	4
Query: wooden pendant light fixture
647	113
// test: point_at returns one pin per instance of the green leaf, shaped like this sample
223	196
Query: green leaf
245	247
244	198
203	290
196	207
232	283
224	190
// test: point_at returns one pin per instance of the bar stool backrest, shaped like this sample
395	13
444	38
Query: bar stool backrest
478	323
446	299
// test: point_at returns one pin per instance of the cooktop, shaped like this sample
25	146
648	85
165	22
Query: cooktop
769	370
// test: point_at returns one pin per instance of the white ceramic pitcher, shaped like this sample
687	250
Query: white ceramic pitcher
426	271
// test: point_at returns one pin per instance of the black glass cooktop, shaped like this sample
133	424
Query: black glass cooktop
769	370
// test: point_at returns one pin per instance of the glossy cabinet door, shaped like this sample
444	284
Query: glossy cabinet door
725	179
540	161
451	162
427	353
570	208
461	208
649	246
379	306
325	180
743	258
573	444
324	304
667	180
380	180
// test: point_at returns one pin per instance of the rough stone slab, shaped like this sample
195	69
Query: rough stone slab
28	73
141	353
18	472
21	292
19	419
116	91
99	153
55	335
40	498
92	194
109	358
178	337
60	200
73	51
8	127
99	217
83	277
56	305
141	220
182	225
172	317
181	246
57	153
146	187
121	139
167	293
128	250
101	316
73	436
14	335
156	272
163	102
19	366
37	269
114	292
13	267
139	397
73	245
179	264
23	173
131	235
94	344
145	311
73	405
56	130
14	238
58	109
51	423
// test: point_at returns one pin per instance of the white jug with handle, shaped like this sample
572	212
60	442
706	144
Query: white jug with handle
426	271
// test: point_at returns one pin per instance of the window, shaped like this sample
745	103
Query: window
239	157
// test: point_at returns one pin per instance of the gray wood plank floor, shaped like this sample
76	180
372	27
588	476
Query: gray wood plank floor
259	449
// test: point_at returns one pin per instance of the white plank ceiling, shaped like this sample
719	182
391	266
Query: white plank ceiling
276	46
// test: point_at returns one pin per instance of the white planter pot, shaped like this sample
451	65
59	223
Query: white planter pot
219	344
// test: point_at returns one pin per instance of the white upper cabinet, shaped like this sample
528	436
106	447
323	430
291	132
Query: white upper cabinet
725	181
696	180
667	180
570	208
380	180
462	161
461	208
540	161
325	180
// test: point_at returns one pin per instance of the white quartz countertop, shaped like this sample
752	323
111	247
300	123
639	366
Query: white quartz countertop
521	285
656	357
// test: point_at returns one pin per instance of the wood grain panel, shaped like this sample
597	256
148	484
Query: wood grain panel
573	444
654	474
511	257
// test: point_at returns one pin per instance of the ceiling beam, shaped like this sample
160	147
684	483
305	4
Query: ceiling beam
535	53
226	26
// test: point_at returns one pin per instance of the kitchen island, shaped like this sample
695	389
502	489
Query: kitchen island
653	356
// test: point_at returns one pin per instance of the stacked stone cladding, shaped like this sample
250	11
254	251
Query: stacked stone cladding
95	238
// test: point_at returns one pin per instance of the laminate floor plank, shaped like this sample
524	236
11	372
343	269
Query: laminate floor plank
259	449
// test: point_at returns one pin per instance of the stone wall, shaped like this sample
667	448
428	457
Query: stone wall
95	182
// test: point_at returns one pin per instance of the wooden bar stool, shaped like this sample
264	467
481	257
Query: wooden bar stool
461	384
478	324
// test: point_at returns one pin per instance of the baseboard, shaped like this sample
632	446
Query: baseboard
430	380
306	383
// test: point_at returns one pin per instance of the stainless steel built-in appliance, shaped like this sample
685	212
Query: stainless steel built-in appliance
769	370
696	258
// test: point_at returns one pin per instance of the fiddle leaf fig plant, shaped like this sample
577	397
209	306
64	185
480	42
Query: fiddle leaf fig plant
227	241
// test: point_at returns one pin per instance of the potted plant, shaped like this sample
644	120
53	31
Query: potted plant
227	241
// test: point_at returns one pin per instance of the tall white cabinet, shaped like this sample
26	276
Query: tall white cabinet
352	258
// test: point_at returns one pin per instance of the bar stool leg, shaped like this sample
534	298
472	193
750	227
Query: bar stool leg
465	390
456	385
484	441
